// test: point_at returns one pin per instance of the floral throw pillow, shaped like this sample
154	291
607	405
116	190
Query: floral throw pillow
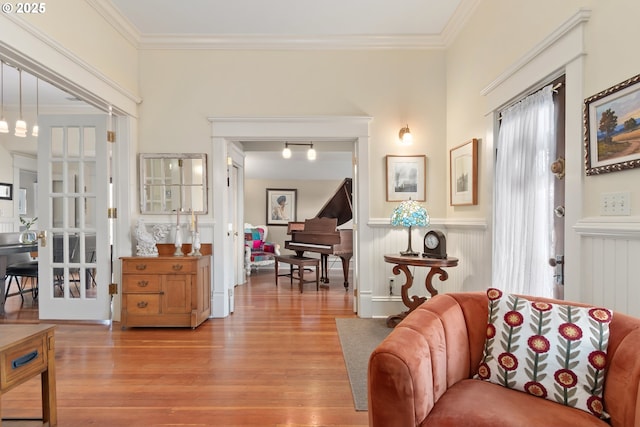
557	352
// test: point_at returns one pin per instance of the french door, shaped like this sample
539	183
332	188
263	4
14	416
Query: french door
73	187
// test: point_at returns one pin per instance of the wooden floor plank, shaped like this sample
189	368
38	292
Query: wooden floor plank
276	361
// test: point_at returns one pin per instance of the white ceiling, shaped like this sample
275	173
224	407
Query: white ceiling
289	17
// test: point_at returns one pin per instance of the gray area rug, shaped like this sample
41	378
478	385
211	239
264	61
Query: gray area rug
358	338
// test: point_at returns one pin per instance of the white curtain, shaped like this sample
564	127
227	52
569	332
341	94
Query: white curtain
523	220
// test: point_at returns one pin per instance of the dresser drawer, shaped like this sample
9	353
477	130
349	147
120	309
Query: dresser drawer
142	303
23	361
140	283
158	266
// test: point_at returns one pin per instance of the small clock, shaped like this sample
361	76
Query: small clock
435	245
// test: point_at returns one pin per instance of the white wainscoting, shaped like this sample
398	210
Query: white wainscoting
610	258
6	226
467	240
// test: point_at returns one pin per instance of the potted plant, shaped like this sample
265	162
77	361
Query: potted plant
28	236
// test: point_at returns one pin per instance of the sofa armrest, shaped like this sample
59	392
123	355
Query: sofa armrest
408	371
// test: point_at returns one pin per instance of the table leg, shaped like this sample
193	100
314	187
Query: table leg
48	377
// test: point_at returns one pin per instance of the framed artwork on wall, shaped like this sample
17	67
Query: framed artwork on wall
612	128
463	166
406	178
281	205
6	191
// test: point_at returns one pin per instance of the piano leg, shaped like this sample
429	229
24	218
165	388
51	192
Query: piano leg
345	270
324	278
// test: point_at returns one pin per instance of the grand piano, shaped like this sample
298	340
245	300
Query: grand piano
321	234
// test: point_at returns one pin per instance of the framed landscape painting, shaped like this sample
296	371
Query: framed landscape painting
612	128
406	178
463	165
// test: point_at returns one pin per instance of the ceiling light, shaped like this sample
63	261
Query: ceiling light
4	127
34	131
405	137
286	153
21	125
311	154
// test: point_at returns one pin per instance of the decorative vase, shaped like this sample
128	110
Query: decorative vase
28	237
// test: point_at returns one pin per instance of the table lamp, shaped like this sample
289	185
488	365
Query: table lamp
409	214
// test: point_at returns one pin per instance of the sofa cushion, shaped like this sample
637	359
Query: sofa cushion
557	352
473	403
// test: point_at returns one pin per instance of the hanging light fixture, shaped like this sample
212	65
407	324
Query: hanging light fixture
21	125
311	153
4	126
405	137
35	129
286	152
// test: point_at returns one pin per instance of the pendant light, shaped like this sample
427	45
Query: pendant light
21	125
311	153
34	131
4	127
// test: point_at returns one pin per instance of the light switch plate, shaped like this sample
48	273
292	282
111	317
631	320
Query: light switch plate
618	203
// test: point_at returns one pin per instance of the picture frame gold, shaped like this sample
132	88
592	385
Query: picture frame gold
463	167
612	128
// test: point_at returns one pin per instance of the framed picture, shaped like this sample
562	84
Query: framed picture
463	166
612	128
6	191
281	206
406	178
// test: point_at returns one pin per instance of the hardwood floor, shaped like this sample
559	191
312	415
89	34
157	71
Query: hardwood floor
276	361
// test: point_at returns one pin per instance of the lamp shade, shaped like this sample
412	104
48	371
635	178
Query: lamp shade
409	214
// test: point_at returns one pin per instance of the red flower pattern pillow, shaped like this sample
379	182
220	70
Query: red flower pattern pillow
557	352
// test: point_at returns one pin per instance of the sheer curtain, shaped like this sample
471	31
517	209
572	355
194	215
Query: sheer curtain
523	220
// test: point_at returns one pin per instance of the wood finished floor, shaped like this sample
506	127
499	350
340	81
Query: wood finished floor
276	361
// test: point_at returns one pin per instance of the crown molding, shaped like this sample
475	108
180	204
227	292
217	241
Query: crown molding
117	20
458	20
273	42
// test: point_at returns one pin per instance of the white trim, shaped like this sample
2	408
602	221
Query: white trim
339	128
627	228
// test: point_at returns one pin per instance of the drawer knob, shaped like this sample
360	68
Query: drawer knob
143	283
141	266
142	304
177	267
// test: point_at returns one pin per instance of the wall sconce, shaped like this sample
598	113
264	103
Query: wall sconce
4	126
311	152
405	137
21	125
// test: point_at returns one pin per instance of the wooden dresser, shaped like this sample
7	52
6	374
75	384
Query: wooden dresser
166	291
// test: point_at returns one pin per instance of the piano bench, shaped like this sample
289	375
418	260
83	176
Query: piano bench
300	263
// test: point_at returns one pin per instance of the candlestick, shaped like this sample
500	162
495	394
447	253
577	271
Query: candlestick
196	223
178	217
192	222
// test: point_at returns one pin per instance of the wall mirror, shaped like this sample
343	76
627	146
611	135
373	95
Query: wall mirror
171	182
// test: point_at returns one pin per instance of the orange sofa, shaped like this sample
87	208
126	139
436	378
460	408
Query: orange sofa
422	373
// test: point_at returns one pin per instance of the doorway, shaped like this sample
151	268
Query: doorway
236	130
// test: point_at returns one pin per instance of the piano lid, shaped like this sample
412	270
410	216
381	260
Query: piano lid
339	206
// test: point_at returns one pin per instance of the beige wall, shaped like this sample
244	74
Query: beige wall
312	195
81	29
489	45
182	88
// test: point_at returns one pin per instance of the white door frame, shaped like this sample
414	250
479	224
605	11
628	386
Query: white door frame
225	130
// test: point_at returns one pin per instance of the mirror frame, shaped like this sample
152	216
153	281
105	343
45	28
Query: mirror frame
142	157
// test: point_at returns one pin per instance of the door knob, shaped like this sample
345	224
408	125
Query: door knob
42	235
